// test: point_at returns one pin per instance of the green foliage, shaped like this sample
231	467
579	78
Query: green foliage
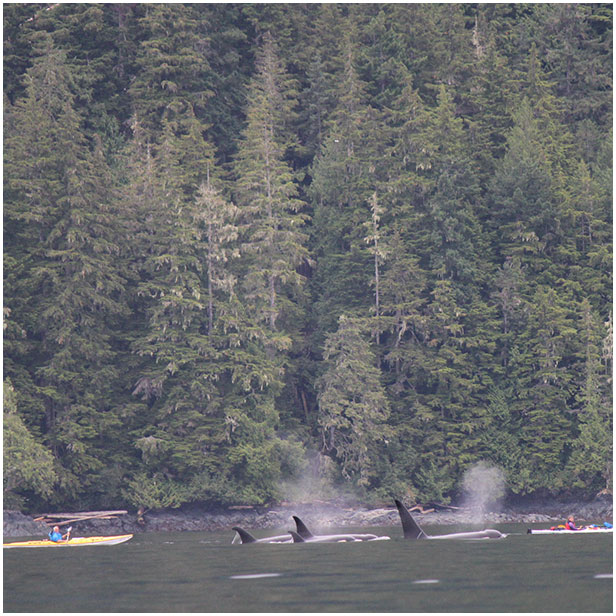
154	492
66	272
273	240
27	466
195	193
171	65
594	446
353	408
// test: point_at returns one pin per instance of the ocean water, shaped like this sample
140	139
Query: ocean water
205	572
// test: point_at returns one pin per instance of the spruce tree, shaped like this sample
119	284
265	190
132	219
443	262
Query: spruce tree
186	233
592	454
576	46
27	465
172	65
524	212
273	248
353	407
344	177
545	385
62	192
273	242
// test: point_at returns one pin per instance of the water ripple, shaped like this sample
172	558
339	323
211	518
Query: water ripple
254	576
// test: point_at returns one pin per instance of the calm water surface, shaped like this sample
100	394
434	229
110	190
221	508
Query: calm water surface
203	572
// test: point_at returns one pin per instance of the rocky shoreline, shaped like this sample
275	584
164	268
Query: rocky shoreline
318	515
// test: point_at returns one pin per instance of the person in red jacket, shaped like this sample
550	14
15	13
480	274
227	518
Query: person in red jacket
570	524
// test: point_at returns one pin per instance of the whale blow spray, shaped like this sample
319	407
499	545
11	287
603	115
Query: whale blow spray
483	487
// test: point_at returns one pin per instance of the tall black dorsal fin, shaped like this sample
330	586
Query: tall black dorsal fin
245	536
409	526
302	531
296	537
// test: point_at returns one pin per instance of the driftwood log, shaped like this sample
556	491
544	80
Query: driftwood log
53	519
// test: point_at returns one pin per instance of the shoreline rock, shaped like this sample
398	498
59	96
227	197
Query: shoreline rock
17	524
319	515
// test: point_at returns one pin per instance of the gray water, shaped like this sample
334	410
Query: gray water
203	572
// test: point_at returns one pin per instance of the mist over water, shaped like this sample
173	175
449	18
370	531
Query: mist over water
313	489
483	488
313	483
315	495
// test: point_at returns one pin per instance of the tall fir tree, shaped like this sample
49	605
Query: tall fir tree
187	232
274	243
27	465
172	65
63	193
544	386
524	211
353	407
592	457
273	248
344	177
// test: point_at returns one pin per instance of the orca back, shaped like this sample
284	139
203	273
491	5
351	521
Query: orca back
410	528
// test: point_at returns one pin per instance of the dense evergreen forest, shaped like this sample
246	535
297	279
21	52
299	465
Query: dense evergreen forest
255	249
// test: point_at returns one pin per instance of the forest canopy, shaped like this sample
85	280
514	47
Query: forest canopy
256	252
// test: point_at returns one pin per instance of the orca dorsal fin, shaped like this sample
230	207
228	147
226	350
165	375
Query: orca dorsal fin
302	530
410	528
245	536
296	537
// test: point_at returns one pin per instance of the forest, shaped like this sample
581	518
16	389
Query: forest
260	252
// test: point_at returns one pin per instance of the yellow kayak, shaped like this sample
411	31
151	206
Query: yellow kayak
72	542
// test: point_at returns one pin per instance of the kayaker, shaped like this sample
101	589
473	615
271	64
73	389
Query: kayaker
570	524
55	535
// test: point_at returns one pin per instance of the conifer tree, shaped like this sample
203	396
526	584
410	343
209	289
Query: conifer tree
592	456
544	386
585	252
453	53
27	465
273	243
575	45
317	103
460	325
63	193
273	249
187	295
403	308
509	298
344	177
451	221
538	87
405	189
411	150
524	209
323	70
171	64
495	85
353	408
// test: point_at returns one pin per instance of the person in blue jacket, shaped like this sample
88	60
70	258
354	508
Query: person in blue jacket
55	535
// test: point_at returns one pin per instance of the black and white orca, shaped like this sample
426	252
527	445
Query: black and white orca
412	530
303	535
246	537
